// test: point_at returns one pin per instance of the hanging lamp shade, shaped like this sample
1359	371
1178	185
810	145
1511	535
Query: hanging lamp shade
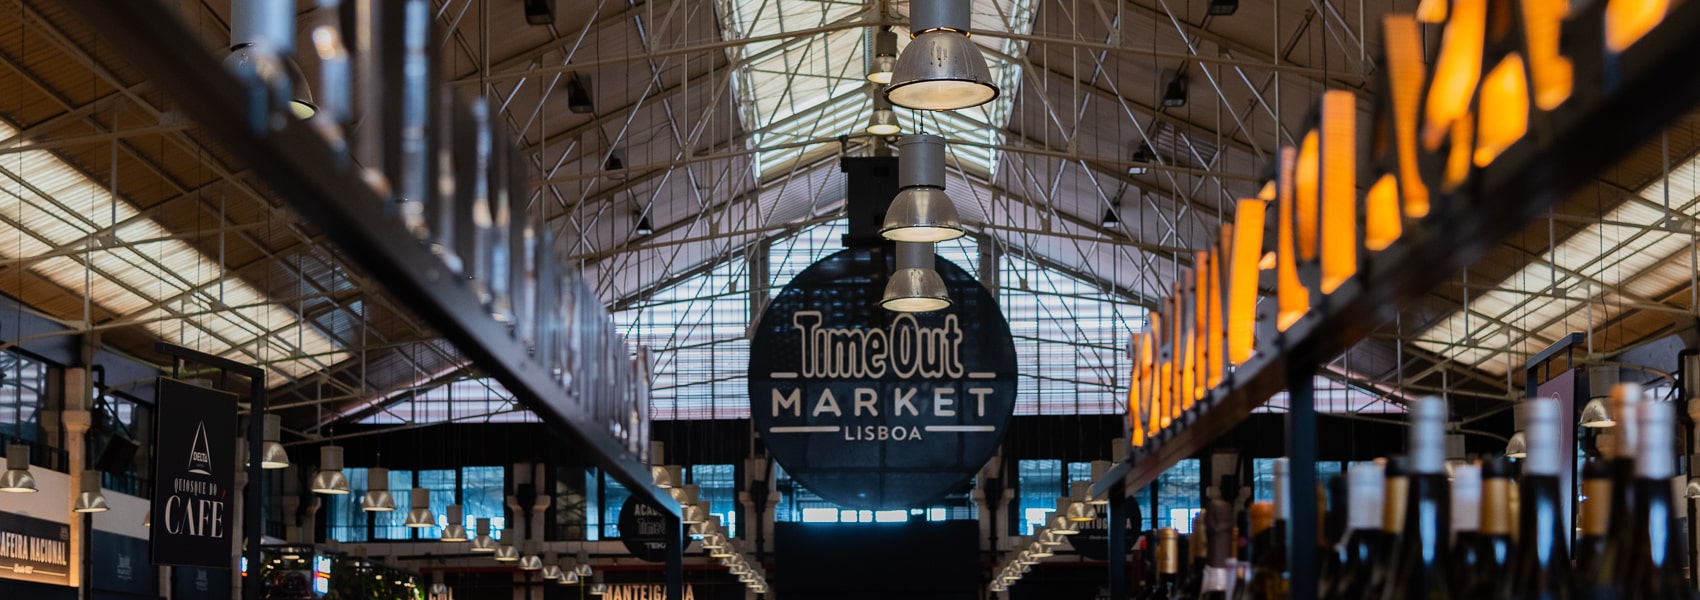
269	24
882	55
420	515
914	286
1060	522
1518	447
1595	415
17	479
684	494
505	550
378	497
884	120
1048	537
89	498
692	514
921	212
272	454
666	476
1100	469
584	569
1039	550
530	561
940	69
329	479
597	588
1079	510
483	543
455	528
569	575
1693	490
551	566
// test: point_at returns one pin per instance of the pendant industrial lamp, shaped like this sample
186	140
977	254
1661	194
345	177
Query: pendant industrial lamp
597	588
505	551
17	479
483	543
262	42
940	69
455	529
420	513
378	497
921	212
1060	523
914	286
1595	416
884	120
531	561
1079	509
272	454
89	498
583	569
882	54
666	476
329	479
551	566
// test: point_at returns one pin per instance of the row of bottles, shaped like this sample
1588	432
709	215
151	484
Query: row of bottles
1410	527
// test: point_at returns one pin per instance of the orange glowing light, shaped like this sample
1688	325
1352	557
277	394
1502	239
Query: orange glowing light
1136	396
1382	224
1505	109
1405	72
1456	71
1552	72
1200	323
1628	20
1267	262
1267	192
1305	182
1458	159
1339	189
1432	11
1292	300
1242	280
1214	347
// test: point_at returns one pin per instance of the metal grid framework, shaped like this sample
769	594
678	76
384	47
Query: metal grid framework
724	117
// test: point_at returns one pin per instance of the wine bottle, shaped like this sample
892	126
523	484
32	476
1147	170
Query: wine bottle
1466	518
1269	566
1595	517
1168	581
1493	533
1365	539
1540	569
1219	535
1198	556
1331	532
1395	484
1654	569
1420	558
1606	576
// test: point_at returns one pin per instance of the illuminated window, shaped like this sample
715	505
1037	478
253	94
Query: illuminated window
484	494
1041	484
717	485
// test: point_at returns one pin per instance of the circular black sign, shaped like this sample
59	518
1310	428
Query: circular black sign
643	530
874	409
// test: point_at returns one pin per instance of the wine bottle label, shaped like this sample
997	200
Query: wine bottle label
1596	509
1393	509
1216	579
1495	507
1542	432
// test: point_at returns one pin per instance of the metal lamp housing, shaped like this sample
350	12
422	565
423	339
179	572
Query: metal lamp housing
915	286
330	479
272	454
378	497
921	211
17	479
1595	415
941	69
420	515
89	497
455	529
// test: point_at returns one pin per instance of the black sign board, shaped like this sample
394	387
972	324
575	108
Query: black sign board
121	565
874	409
32	548
200	584
644	530
194	473
1093	541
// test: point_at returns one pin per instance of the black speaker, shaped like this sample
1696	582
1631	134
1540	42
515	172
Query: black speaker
119	455
539	12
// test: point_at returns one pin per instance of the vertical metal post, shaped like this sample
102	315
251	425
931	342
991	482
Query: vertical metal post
253	528
1301	479
1115	517
675	556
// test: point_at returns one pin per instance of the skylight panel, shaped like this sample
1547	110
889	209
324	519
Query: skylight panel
148	274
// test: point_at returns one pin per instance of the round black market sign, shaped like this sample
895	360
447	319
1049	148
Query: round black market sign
643	530
874	409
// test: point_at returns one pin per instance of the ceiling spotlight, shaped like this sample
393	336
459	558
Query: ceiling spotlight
329	479
89	498
613	163
1175	95
915	286
483	543
578	95
643	225
921	212
1112	215
1142	158
1594	415
455	530
884	120
1222	8
940	69
420	515
378	498
882	55
17	479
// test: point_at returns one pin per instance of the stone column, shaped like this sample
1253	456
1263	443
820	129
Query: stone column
75	417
